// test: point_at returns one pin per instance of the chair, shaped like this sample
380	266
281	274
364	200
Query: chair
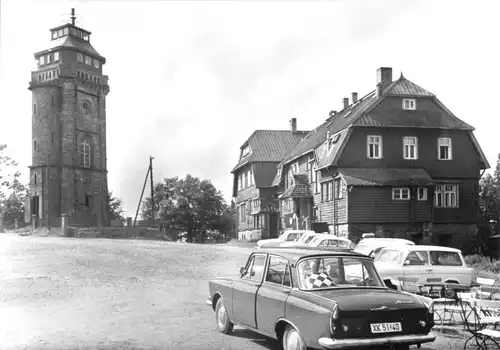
477	327
486	283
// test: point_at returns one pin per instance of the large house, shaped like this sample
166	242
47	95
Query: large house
256	199
395	162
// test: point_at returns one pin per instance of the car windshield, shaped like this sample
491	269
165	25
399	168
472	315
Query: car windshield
389	256
290	236
308	239
335	272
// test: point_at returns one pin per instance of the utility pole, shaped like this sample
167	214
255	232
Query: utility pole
142	193
152	187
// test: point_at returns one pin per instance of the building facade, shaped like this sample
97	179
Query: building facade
68	175
396	162
255	197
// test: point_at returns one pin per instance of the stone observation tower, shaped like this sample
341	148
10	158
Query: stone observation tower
68	175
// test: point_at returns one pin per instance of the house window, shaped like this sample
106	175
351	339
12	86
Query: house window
338	188
34	179
295	168
256	203
316	180
56	56
444	148
240	181
446	196
85	153
34	145
250	174
409	104
87	200
54	35
422	194
245	151
326	191
34	108
42	60
243	213
88	60
79	57
245	175
410	145
96	63
374	147
256	221
400	193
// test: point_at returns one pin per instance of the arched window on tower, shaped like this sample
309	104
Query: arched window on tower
85	152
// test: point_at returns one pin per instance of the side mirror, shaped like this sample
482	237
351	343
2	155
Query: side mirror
242	270
372	255
407	262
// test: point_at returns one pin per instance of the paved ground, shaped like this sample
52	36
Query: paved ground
69	293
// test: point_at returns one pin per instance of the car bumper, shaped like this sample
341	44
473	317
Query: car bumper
409	339
208	302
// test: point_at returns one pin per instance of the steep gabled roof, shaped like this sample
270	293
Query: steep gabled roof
269	146
363	113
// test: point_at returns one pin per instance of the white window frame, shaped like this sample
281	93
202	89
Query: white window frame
42	60
374	140
446	196
96	63
245	151
316	180
327	195
397	194
422	193
409	143
445	142
256	202
338	188
79	57
409	104
56	56
88	60
250	175
243	213
86	150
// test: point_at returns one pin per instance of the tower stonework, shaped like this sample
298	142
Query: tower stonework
68	174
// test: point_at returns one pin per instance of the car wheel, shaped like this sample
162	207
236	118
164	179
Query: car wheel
221	318
292	339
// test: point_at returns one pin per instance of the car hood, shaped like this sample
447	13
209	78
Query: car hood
265	242
351	299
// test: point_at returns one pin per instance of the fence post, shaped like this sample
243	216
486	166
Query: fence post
33	222
64	225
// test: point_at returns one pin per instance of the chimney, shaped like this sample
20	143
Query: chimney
293	125
354	97
346	102
384	78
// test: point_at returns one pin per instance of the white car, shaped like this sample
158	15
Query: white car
304	239
286	236
325	240
416	265
371	246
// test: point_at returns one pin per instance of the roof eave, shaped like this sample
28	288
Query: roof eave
479	149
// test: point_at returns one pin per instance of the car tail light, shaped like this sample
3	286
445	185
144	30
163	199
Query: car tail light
333	318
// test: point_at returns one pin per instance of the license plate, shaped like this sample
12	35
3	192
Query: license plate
386	327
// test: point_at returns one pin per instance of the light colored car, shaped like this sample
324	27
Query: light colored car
371	246
286	236
325	240
422	264
304	239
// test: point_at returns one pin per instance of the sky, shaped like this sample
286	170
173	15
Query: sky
191	80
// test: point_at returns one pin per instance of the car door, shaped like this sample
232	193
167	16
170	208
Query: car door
245	290
272	295
446	266
416	270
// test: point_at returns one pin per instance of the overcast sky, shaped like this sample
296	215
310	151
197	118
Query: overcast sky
191	80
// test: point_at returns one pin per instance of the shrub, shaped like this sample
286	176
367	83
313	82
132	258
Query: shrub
483	266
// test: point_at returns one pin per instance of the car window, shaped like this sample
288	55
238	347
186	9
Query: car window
334	271
417	258
445	258
255	269
292	236
277	271
389	256
308	239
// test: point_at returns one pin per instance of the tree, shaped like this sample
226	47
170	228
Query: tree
12	192
115	208
191	204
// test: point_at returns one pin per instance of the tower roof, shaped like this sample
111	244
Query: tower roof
70	36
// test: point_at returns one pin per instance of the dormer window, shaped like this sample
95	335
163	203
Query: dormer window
409	104
88	60
245	151
79	57
96	63
56	56
41	60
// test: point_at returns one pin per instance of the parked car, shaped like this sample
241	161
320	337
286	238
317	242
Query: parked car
371	246
306	299
422	264
326	240
304	239
286	236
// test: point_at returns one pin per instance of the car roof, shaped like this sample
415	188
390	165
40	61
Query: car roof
330	236
425	247
294	254
386	240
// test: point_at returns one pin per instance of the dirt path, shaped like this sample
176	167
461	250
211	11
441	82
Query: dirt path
67	293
